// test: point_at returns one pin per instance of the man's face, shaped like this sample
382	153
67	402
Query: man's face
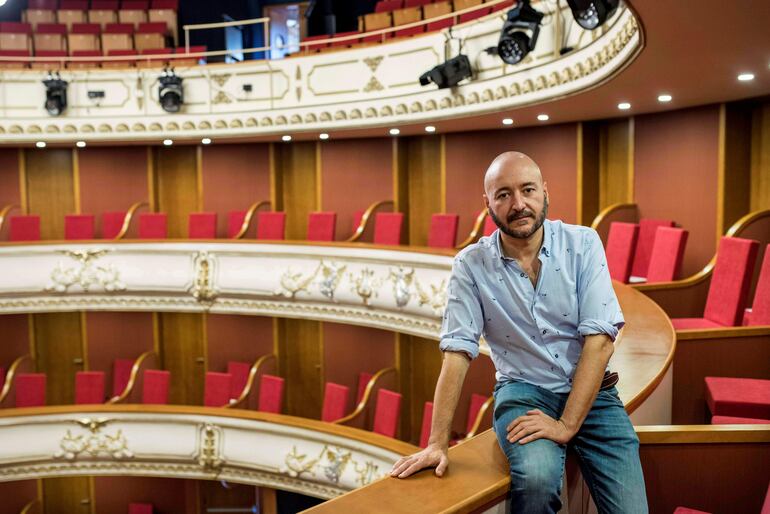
517	202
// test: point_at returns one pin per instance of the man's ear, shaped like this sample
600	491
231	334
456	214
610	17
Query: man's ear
545	188
486	200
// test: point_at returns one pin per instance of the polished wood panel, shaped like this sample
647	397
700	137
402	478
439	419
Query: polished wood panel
588	172
760	157
175	186
295	183
423	161
167	495
183	353
400	162
419	367
14	337
227	496
59	349
70	495
616	162
238	338
50	188
16	495
300	361
734	188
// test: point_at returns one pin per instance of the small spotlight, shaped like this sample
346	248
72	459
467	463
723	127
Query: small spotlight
170	91
167	142
507	121
324	136
664	98
394	132
543	117
430	128
40	144
55	94
745	77
591	14
624	106
515	43
80	144
286	138
448	74
206	141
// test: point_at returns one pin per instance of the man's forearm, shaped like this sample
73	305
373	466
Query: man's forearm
596	353
448	387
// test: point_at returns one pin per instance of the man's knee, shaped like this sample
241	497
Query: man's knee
538	477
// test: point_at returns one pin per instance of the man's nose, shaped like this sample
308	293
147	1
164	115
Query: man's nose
517	202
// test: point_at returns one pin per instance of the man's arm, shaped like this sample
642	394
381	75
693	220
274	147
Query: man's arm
448	387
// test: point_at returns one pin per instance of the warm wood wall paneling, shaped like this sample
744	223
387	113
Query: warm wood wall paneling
419	362
49	183
176	186
167	495
17	494
423	174
10	185
182	343
588	172
14	338
295	183
760	156
734	166
616	162
68	495
59	347
219	496
300	362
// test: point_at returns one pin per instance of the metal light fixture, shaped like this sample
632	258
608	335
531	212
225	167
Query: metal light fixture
448	74
170	92
519	34
591	14
55	94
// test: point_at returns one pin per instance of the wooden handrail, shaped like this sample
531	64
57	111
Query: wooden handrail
248	217
475	231
27	509
609	210
250	381
131	378
9	376
479	417
4	212
364	399
128	217
365	219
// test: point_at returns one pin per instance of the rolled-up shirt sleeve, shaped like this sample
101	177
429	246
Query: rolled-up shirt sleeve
598	306
463	315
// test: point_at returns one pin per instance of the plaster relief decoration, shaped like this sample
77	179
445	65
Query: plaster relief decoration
85	273
436	299
203	289
402	283
209	453
365	285
331	275
94	443
331	462
293	282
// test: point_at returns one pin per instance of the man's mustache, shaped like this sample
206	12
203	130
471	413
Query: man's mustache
519	215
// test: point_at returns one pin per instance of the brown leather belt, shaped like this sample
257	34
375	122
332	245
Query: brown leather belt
609	380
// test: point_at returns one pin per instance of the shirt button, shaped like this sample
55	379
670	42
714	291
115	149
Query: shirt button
557	355
523	275
570	380
544	331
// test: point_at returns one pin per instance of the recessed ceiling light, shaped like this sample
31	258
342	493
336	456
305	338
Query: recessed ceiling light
394	132
624	106
40	144
168	142
745	77
323	136
80	144
507	121
430	128
206	141
664	98
543	117
286	138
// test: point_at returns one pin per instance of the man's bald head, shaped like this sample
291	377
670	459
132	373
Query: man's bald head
510	164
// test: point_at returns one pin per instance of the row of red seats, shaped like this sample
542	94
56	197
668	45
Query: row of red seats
102	12
648	251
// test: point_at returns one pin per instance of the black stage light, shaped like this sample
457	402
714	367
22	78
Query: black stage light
591	14
55	94
170	92
515	43
448	74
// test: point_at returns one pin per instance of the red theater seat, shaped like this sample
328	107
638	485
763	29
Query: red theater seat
685	510
235	222
139	508
185	60
666	254
271	225
155	386
760	308
24	228
89	387
387	228
739	397
152	225
136	5
439	25
202	225
410	31
477	401
416	3
335	404
346	42
85	64
121	374
734	420
363	380
79	226
321	226
56	62
150	35
217	388
50	36
388	5
112	223
729	285
478	13
443	230
270	394
621	244
644	243
30	389
489	226
312	47
387	413
240	373
427	419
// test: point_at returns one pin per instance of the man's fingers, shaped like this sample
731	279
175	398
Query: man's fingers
441	468
534	412
416	466
532	437
515	422
401	465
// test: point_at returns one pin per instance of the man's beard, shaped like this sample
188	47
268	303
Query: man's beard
521	234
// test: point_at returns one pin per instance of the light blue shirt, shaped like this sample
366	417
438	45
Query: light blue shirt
536	333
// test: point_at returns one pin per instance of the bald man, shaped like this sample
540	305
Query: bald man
540	293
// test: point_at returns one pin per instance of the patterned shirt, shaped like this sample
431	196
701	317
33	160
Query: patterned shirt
535	334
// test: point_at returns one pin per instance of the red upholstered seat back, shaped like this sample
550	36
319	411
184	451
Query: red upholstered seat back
443	230
202	225
363	379
647	231
270	394
139	508
321	226
357	217
760	309
24	228
240	373
336	398
216	391
89	387
666	255
121	373
112	222
427	419
731	280
489	226
388	5
271	225
155	386
621	244
477	401
387	228
30	389
387	413
79	226
152	225
234	222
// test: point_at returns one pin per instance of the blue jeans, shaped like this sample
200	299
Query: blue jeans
606	445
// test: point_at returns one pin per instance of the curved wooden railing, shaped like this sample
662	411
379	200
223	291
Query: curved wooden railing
4	213
475	231
31	507
130	216
365	219
479	417
133	377
626	212
13	370
235	402
365	398
249	216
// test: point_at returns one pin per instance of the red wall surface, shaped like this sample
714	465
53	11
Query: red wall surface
167	495
14	338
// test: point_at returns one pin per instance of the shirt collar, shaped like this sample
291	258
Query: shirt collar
545	248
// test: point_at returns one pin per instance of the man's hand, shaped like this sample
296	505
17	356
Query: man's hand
536	425
431	456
